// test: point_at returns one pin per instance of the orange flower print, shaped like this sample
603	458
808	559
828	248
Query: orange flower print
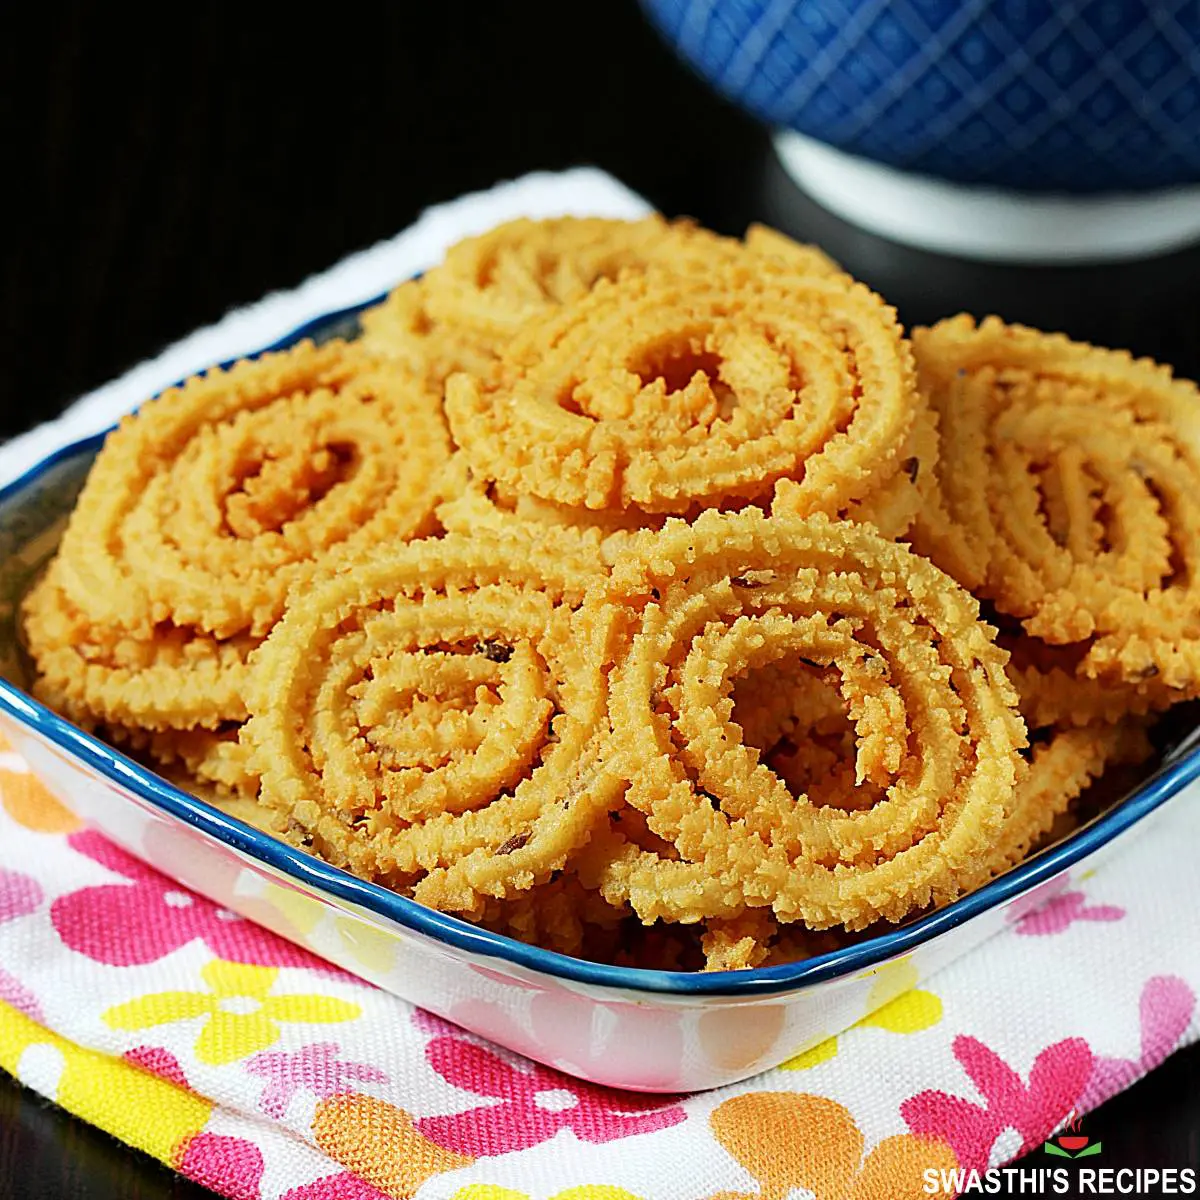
791	1142
26	799
380	1144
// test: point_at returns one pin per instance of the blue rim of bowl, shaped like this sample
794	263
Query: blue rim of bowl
305	869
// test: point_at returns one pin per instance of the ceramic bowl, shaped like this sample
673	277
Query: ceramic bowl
1023	129
657	1031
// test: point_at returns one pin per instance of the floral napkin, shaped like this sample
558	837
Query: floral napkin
260	1071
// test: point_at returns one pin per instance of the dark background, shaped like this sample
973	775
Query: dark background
155	181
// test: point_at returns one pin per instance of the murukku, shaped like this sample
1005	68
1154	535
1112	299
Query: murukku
1069	495
205	507
1060	769
559	915
923	683
402	329
667	392
430	718
174	677
468	503
461	313
571	599
1056	691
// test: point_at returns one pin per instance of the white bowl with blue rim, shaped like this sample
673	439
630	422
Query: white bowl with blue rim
655	1031
1041	130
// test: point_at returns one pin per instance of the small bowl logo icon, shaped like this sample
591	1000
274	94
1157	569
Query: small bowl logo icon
1071	1143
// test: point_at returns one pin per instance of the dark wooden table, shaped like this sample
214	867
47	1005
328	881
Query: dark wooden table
155	181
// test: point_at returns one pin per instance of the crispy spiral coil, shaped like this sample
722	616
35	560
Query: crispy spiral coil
429	718
463	312
923	683
1079	514
665	392
205	507
175	679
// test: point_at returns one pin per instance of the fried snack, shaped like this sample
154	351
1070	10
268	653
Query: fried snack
402	329
633	667
105	675
468	504
1069	495
465	310
923	682
738	943
429	718
1060	768
1056	691
559	915
669	392
217	497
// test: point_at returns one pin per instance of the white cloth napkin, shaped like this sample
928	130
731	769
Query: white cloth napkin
246	1065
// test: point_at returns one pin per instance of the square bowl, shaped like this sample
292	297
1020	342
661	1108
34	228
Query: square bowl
654	1031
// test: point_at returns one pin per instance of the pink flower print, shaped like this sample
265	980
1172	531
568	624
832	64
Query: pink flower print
146	917
342	1186
535	1103
1061	912
1059	1075
19	895
158	1060
562	1030
315	1069
231	1166
1166	1008
15	994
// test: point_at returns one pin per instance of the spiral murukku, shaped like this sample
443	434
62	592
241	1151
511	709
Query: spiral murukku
401	329
461	313
1069	495
666	392
923	684
174	678
570	599
1060	769
205	507
467	504
429	718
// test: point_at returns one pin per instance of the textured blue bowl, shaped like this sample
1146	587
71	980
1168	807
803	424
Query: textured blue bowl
1043	95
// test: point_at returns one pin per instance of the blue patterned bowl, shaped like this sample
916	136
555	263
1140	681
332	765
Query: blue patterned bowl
1064	95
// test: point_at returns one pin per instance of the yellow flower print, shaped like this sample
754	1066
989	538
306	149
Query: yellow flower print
588	1191
894	1003
141	1109
243	1017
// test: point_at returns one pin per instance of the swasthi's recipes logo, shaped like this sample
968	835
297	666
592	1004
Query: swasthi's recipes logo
1071	1143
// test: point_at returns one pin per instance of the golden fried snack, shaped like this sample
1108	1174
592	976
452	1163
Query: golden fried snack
923	683
493	284
1069	495
173	677
205	507
461	314
429	718
668	392
401	328
764	242
1055	690
738	943
1060	769
468	504
559	915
